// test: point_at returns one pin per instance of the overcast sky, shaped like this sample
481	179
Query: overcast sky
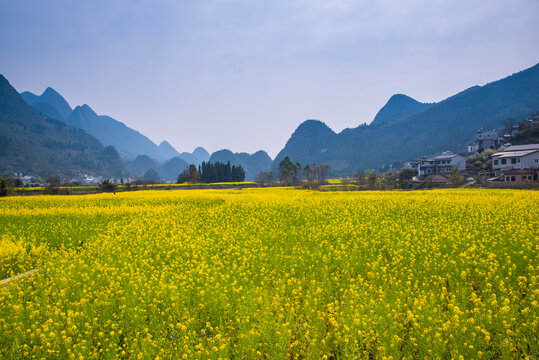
243	74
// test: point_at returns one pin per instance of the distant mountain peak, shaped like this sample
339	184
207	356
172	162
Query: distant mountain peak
397	107
87	110
312	127
253	164
200	149
168	151
223	151
401	97
201	153
35	143
51	98
51	92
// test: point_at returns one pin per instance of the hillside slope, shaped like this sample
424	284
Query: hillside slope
50	99
129	142
398	106
33	144
447	125
109	131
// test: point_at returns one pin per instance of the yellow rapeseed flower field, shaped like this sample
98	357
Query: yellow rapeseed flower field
271	274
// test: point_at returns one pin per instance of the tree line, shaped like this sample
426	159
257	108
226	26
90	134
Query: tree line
290	173
212	172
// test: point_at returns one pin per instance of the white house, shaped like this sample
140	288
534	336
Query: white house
439	165
517	163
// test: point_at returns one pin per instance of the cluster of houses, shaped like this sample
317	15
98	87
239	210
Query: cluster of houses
517	163
83	179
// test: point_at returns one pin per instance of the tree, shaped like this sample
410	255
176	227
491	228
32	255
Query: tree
288	171
361	178
324	172
5	186
17	182
456	178
265	178
192	174
220	172
182	177
390	180
53	181
481	163
53	184
108	186
372	178
405	177
310	173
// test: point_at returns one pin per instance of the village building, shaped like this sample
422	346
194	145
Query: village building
517	163
486	140
442	164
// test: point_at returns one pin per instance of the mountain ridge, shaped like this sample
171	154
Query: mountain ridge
447	125
50	97
397	107
34	144
128	142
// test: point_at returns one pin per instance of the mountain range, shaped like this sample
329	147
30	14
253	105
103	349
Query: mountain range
405	129
139	152
43	135
33	143
129	142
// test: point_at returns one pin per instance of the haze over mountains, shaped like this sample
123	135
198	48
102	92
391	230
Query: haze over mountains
129	143
404	128
35	144
139	152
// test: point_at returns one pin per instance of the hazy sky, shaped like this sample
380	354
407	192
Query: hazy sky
243	74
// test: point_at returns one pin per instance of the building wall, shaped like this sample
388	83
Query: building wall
508	164
459	162
530	161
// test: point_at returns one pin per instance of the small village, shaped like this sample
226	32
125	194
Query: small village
510	164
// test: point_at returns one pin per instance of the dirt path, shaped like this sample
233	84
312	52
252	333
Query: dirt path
18	276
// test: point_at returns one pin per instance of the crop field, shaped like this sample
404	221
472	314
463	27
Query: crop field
272	273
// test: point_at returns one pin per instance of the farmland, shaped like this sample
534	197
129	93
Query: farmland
273	273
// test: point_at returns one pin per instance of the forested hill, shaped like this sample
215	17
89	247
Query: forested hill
129	142
398	107
35	144
447	125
